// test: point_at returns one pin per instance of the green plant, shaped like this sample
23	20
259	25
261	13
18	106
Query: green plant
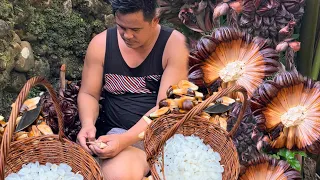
290	157
308	61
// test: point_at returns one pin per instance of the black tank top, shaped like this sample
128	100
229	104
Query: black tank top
130	92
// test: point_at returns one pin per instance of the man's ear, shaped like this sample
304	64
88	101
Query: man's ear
155	21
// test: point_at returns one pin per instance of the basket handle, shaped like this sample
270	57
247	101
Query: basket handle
7	137
200	107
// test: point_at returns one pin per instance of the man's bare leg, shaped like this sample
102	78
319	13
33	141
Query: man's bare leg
130	164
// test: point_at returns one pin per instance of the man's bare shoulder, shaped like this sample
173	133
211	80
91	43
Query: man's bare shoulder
177	39
96	49
176	44
99	40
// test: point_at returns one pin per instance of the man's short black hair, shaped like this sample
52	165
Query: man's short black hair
148	7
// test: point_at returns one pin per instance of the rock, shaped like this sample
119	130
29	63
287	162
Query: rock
109	20
3	45
41	68
16	38
4	78
4	29
67	6
93	7
26	59
7	60
16	47
16	82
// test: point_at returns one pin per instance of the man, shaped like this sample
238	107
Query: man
139	60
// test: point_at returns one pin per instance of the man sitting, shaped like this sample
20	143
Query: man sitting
136	61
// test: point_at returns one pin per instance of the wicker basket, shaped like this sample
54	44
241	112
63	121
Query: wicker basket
161	129
49	148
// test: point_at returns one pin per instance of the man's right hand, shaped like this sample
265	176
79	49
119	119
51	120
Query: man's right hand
87	132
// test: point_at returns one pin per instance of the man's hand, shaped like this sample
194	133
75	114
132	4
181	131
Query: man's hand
114	146
86	132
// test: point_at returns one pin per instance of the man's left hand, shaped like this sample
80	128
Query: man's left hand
114	146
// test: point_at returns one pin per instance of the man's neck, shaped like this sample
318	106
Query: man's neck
151	40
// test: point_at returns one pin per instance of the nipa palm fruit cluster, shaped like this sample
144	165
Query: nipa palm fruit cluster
264	167
68	104
183	96
68	93
287	111
228	57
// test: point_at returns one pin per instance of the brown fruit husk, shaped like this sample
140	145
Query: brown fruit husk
265	168
275	98
228	46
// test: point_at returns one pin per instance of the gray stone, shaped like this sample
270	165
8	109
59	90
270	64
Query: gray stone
67	6
16	38
25	61
16	47
4	79
4	29
109	20
16	82
3	45
93	7
7	60
41	68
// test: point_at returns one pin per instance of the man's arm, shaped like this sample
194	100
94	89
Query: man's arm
89	94
175	69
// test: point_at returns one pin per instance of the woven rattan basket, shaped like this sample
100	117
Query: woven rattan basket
49	148
164	127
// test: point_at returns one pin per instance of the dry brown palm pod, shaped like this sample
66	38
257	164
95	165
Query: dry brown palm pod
184	84
187	105
34	131
20	135
215	119
223	122
170	91
267	168
288	109
227	100
167	103
181	92
179	101
233	57
45	129
160	112
205	115
198	95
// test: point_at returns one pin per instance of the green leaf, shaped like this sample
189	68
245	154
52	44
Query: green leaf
295	164
289	155
275	156
282	152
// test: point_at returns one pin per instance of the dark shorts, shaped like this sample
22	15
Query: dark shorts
138	145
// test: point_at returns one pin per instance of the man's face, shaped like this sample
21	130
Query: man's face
133	28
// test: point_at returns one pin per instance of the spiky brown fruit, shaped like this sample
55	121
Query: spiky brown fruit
268	18
68	104
197	15
265	168
232	57
288	109
246	146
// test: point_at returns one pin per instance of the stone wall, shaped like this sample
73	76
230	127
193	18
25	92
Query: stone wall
37	36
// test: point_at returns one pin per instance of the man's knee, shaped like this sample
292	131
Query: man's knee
121	174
